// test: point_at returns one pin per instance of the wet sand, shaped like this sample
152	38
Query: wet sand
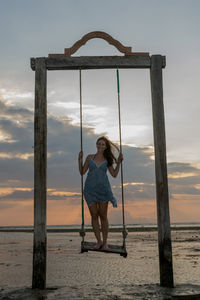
95	275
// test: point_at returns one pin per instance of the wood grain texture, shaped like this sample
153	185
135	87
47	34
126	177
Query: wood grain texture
40	165
98	62
164	233
89	246
102	35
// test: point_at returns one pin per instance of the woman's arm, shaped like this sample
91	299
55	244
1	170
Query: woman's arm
114	171
83	168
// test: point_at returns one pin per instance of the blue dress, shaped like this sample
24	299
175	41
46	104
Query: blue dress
97	186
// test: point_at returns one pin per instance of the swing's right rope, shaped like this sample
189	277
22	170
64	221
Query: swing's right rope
124	232
82	231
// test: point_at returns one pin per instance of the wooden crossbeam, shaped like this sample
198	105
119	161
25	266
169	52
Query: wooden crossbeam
97	62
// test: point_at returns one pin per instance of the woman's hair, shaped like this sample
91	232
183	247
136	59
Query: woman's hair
109	151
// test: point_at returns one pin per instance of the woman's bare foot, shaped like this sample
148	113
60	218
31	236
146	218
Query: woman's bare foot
105	247
98	246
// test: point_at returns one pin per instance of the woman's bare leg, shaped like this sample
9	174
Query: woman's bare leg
103	212
95	223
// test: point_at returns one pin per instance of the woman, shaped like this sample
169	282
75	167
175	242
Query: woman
97	190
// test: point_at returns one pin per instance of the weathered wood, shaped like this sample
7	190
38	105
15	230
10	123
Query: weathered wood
102	35
89	246
155	64
97	62
164	233
40	164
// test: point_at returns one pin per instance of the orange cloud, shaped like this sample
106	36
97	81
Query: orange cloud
16	214
197	186
182	174
133	184
184	208
8	191
60	212
62	193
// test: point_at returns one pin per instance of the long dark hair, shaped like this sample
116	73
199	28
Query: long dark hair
109	151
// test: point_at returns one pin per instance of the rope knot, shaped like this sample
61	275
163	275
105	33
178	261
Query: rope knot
82	232
124	232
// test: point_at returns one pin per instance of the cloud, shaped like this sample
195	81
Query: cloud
63	146
183	179
63	178
18	195
175	167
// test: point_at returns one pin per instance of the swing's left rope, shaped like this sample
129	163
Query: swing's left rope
82	231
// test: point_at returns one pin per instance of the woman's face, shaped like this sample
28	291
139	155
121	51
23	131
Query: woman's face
101	145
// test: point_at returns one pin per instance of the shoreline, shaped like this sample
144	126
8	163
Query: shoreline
111	229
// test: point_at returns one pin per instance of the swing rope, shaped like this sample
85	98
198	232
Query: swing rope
82	231
124	231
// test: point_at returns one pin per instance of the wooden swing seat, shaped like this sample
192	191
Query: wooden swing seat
89	246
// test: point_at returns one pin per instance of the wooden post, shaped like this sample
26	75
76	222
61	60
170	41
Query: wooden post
40	164
164	233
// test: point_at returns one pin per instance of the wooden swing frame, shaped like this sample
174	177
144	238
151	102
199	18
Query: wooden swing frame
135	60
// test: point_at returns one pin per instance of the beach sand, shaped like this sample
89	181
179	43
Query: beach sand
95	275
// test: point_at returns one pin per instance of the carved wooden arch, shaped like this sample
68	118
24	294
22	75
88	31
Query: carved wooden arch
102	35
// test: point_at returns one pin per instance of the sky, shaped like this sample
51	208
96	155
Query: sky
37	28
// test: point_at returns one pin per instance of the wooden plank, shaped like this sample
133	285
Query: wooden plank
40	164
164	233
89	246
102	35
97	34
97	62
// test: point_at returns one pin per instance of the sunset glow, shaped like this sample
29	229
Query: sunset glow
35	29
